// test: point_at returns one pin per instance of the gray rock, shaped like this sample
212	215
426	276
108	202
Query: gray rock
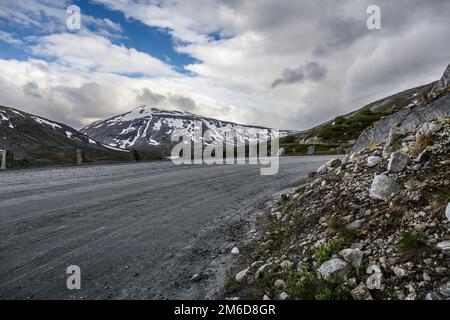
428	128
261	270
444	290
286	264
394	134
441	85
383	187
333	267
444	246
355	224
424	156
235	251
411	296
283	296
399	272
447	211
377	153
352	256
279	284
432	296
242	275
398	161
373	161
361	292
196	277
409	118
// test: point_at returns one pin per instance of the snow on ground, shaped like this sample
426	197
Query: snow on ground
46	122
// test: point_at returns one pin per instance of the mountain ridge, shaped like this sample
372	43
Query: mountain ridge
150	126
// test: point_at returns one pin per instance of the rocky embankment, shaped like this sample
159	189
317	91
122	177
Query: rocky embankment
371	225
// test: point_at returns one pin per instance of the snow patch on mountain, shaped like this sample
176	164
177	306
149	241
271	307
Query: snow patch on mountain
145	127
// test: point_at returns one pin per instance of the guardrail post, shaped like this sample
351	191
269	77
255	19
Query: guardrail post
81	157
311	150
6	159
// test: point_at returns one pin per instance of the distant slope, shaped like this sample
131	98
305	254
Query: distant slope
145	127
427	105
39	141
348	127
374	121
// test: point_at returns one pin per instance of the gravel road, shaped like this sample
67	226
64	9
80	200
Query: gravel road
137	231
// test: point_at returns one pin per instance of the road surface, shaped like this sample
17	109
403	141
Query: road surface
137	231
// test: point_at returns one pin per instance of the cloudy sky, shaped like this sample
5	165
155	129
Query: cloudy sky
286	64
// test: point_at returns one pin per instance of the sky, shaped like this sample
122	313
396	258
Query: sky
286	64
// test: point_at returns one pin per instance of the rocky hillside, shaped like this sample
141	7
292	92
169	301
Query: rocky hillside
373	122
380	213
425	107
38	141
145	127
373	224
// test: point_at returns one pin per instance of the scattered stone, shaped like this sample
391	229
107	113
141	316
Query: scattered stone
286	264
398	161
355	224
235	251
399	272
373	161
444	246
266	297
383	187
361	292
428	128
432	296
424	156
412	184
283	296
377	153
411	296
261	270
352	256
331	267
393	136
279	284
444	290
196	277
242	275
447	211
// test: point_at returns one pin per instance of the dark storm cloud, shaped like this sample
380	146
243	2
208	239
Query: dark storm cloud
311	71
31	88
340	33
171	100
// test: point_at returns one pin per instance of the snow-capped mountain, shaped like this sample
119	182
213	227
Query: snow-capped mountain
36	140
145	127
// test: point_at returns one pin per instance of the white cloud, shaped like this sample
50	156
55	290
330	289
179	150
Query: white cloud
92	52
9	38
259	41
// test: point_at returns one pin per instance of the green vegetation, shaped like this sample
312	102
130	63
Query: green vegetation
306	285
346	234
324	251
297	149
412	245
443	196
344	129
